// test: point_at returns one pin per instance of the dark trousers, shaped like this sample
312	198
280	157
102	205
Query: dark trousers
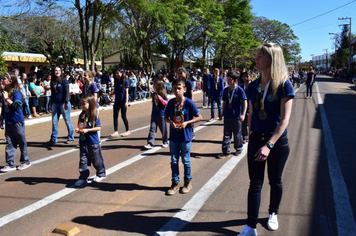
75	100
157	121
120	105
132	93
232	128
91	153
15	135
244	127
275	165
309	89
206	97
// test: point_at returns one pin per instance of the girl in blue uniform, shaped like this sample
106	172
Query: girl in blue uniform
89	143
60	105
121	103
270	97
14	123
159	103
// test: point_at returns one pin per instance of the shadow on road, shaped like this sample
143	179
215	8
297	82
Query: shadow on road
150	222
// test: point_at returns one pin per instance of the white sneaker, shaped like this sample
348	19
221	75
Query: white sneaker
98	179
248	231
272	223
7	169
204	107
164	145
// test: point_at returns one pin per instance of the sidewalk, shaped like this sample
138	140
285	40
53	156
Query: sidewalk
48	117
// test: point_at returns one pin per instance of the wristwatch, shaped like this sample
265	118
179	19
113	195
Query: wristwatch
269	145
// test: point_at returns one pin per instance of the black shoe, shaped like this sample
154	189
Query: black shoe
50	143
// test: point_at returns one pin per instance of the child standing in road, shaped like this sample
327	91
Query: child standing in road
216	91
247	77
89	143
159	103
180	113
14	123
234	111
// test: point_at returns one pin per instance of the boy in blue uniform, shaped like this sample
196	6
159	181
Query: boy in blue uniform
234	111
180	113
207	77
216	92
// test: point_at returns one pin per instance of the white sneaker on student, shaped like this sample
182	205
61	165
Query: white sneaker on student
272	223
248	231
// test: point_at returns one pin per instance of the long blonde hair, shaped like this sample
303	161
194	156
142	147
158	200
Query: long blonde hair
279	72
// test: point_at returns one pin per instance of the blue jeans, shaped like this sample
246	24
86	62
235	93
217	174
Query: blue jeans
182	148
48	99
57	111
275	165
26	106
218	101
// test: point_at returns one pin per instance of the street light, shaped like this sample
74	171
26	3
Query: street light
312	55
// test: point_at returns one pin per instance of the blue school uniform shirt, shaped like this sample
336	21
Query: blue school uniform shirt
161	109
189	112
237	101
59	92
206	81
189	86
120	94
271	106
90	137
216	92
92	88
12	115
244	88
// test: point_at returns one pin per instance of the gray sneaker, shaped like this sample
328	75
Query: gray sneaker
7	169
23	166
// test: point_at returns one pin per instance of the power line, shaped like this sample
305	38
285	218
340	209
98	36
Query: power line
323	13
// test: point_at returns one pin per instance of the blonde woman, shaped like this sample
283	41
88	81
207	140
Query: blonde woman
270	97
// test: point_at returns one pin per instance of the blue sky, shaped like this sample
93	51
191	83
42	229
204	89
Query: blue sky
314	34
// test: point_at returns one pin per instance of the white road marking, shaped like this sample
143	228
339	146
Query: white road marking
345	220
192	207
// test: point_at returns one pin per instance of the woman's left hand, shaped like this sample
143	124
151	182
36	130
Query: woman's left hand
65	106
262	153
5	94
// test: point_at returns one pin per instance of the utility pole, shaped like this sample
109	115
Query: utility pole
336	36
326	62
312	55
350	36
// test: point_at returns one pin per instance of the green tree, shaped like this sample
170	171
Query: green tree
342	53
93	16
3	67
236	37
8	43
273	31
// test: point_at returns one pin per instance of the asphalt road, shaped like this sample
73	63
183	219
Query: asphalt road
319	179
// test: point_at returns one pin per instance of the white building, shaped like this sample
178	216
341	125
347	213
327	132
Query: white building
321	62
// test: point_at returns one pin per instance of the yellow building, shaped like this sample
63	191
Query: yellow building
24	61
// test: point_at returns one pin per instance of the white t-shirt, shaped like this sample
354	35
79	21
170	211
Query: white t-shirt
74	88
